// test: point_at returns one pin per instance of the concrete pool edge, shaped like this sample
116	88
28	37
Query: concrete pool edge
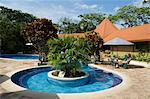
20	59
11	87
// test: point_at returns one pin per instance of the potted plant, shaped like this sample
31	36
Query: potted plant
66	55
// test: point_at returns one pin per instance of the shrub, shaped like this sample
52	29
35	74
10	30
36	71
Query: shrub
67	53
145	57
140	56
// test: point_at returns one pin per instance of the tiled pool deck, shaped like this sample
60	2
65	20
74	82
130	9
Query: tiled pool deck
139	86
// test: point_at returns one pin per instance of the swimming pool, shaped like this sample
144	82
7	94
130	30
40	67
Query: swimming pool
19	57
36	79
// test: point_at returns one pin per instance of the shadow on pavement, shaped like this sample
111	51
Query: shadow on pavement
3	78
27	95
135	66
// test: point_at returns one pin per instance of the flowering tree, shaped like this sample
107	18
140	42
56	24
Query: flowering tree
38	33
96	43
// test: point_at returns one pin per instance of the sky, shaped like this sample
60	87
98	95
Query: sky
56	9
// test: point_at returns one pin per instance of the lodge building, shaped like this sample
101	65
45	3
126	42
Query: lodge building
139	35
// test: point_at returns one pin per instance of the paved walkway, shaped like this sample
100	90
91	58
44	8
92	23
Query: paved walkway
139	88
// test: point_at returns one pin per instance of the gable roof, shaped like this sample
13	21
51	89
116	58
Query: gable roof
134	34
105	28
118	41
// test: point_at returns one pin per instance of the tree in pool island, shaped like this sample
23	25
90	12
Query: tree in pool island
38	33
67	54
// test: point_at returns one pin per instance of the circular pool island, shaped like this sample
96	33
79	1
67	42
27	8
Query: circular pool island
36	79
67	81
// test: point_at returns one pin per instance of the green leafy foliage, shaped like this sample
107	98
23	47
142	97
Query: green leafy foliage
11	22
145	57
86	22
89	22
12	40
132	16
67	53
15	15
68	26
138	56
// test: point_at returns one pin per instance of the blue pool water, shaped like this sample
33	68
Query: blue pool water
19	57
37	80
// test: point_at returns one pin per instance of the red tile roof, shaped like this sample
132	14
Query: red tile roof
105	28
133	34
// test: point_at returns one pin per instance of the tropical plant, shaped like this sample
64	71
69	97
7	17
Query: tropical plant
67	53
38	33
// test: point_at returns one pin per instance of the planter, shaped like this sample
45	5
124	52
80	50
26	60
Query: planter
139	63
70	82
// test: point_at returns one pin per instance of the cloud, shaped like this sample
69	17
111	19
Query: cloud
55	13
42	10
2	4
139	3
51	10
116	9
85	6
56	9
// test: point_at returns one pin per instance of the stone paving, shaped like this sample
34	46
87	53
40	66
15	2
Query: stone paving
139	88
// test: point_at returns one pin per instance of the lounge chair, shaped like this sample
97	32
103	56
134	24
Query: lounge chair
106	61
125	62
43	60
114	61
